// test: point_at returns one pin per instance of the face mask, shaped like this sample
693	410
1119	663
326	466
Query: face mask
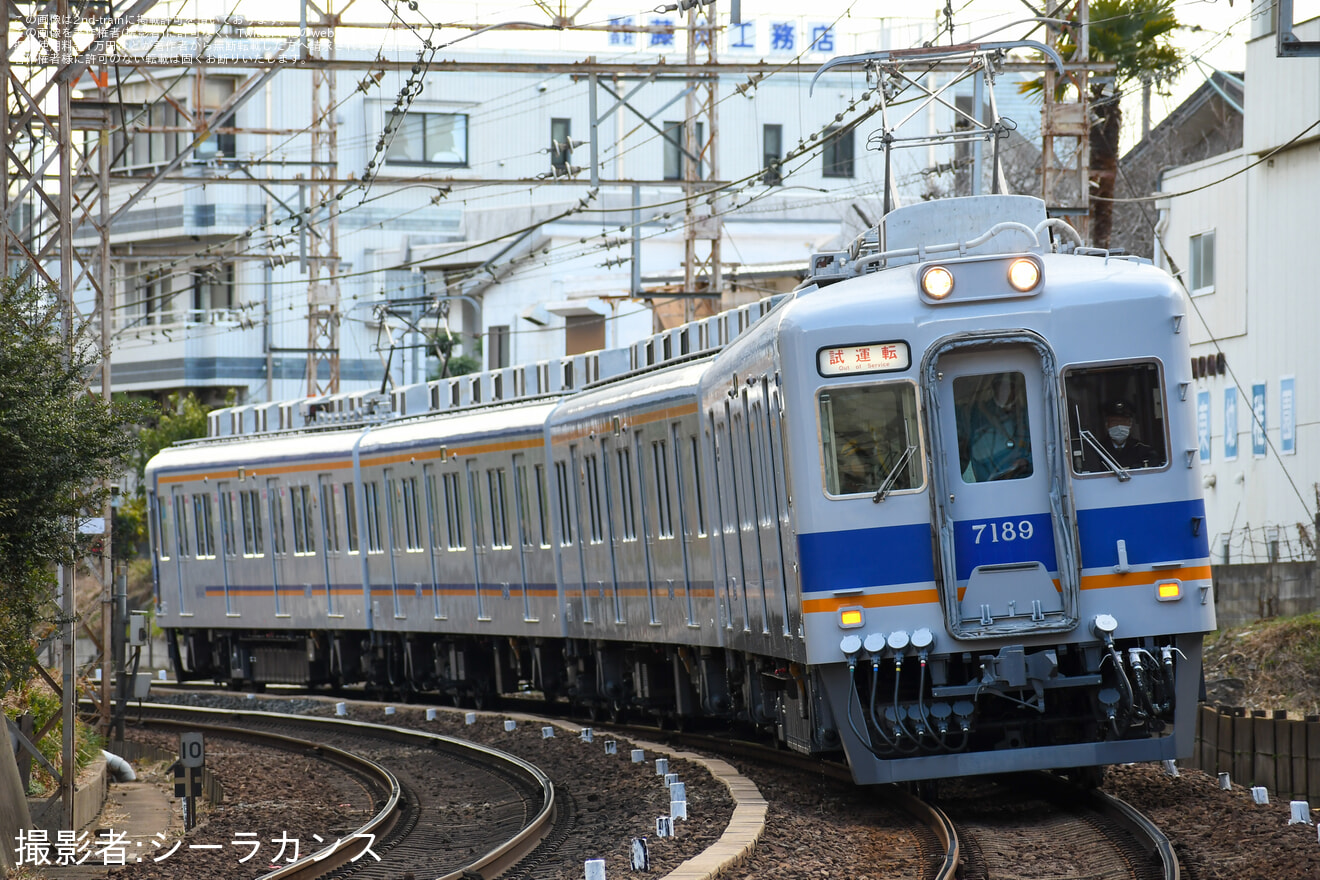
1119	433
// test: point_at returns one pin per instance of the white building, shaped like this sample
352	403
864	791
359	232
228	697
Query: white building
1240	227
211	291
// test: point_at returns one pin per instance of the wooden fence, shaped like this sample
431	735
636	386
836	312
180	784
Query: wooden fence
1260	748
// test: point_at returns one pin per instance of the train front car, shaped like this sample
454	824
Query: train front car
1001	537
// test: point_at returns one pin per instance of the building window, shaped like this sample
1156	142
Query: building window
772	150
838	153
561	148
428	138
497	347
1201	265
676	163
213	293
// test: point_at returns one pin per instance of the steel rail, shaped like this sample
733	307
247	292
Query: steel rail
489	864
1146	832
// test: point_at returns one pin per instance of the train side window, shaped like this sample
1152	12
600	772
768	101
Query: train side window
393	501
499	516
182	532
374	542
300	503
478	514
249	504
1116	418
592	468
432	507
698	490
565	513
522	502
162	528
412	523
542	504
330	510
629	514
202	521
454	511
866	434
275	501
350	518
664	519
227	522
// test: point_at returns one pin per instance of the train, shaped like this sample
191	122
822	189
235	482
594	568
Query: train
938	509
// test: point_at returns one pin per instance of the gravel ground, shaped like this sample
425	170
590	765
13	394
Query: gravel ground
613	799
1219	835
817	827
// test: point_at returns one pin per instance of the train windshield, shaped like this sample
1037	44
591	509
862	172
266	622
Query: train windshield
994	429
1116	419
870	438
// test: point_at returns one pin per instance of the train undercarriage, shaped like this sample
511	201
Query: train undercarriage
672	685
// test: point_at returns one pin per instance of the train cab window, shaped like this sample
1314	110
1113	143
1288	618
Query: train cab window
994	427
870	438
350	518
1116	419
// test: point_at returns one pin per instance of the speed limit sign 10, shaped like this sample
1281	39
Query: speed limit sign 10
191	753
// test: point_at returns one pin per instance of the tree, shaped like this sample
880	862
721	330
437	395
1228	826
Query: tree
1135	36
57	444
183	418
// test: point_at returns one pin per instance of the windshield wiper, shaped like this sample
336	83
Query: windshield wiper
883	491
1109	462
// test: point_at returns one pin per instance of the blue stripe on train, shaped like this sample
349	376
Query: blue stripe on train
893	555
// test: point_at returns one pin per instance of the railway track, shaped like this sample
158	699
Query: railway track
413	778
1035	826
983	828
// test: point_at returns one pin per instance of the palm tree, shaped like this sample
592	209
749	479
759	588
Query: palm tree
1135	36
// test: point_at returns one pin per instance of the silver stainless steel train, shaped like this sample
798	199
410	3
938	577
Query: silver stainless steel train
940	508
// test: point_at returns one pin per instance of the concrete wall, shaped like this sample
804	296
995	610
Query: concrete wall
1244	593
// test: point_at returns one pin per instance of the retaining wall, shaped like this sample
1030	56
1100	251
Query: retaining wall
1253	591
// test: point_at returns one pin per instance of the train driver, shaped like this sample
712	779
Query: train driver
1000	447
1121	442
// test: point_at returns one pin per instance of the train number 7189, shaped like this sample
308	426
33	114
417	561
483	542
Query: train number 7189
1004	531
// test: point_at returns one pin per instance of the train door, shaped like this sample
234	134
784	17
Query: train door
649	529
777	472
745	513
393	537
686	497
726	491
228	548
1007	550
433	536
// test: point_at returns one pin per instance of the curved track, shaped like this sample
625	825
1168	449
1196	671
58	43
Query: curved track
1034	826
403	769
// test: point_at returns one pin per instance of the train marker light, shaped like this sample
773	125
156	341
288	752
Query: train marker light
1168	591
1023	274
937	282
850	617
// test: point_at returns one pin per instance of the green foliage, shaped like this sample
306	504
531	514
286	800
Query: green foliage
43	704
1134	35
443	345
183	418
57	443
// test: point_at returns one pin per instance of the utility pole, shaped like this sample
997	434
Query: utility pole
1062	121
702	226
322	218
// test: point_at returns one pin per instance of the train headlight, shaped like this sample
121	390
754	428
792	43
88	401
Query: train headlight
1023	274
937	282
1168	591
